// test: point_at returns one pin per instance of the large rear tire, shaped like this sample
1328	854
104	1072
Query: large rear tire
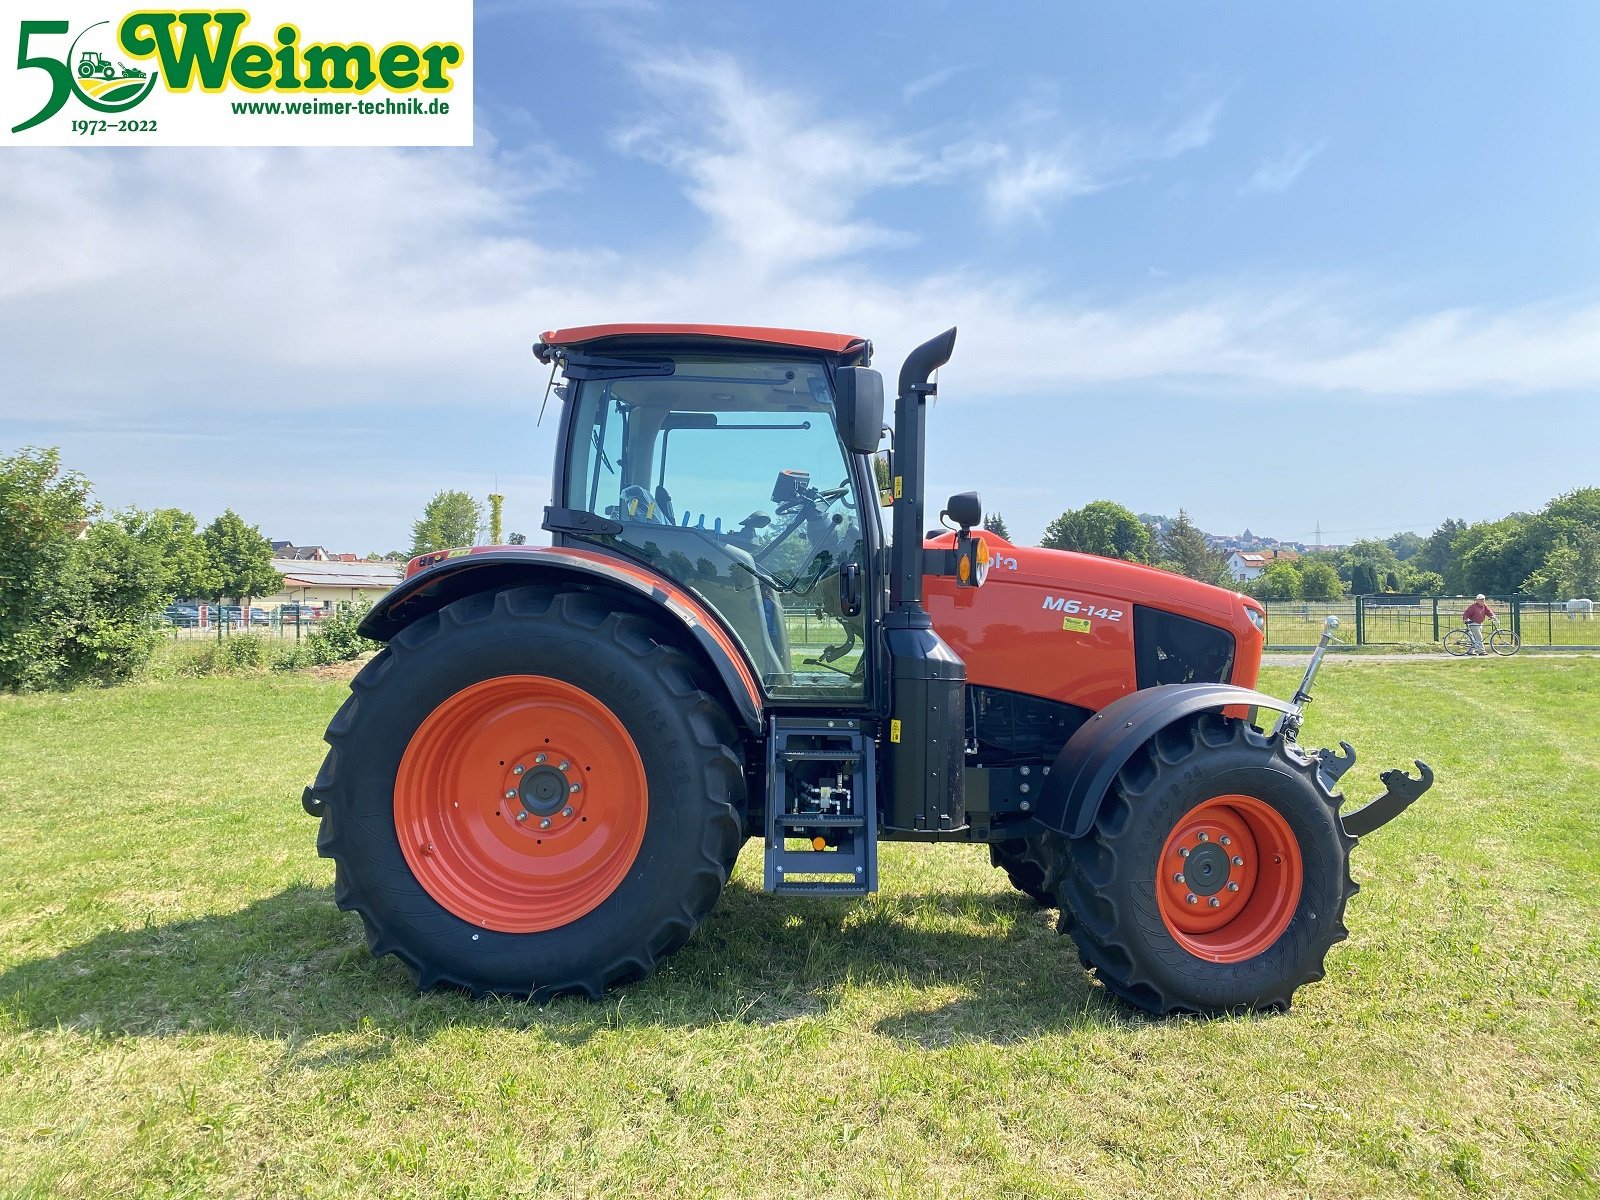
528	793
1215	877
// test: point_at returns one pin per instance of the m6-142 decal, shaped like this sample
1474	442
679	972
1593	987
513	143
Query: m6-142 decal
1063	604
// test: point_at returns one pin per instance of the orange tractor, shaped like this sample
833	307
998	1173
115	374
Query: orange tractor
542	781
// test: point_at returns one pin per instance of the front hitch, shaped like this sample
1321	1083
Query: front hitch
1400	789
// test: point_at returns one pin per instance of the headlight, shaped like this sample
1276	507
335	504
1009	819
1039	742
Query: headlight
1257	617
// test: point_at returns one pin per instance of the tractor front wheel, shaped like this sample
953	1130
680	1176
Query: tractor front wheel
1215	876
1025	865
530	794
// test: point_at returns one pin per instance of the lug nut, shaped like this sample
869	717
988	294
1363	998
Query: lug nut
1232	887
563	765
1203	837
539	758
1183	852
522	816
1191	898
1237	861
544	822
1226	840
1214	902
1178	878
518	769
511	795
567	811
575	787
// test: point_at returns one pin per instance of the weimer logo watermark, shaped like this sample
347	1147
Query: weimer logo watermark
316	73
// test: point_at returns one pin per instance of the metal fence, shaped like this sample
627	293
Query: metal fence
1390	620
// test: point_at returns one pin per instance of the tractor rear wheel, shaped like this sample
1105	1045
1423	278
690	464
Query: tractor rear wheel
1215	877
530	794
1024	864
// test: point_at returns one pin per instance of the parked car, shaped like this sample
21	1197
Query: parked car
295	612
184	616
233	614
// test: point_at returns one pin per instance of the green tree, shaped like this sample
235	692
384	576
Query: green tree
240	561
995	523
1571	569
1280	581
451	519
43	509
497	508
1319	580
77	600
1422	583
1100	527
1363	579
1405	545
179	549
1184	550
1436	552
113	587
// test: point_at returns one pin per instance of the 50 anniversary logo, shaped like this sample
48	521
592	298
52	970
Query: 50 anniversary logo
222	80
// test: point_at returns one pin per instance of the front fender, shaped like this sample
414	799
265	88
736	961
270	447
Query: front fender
494	568
1081	775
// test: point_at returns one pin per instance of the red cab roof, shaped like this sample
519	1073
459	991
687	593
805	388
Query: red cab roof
805	339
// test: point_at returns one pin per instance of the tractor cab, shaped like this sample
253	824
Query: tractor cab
725	468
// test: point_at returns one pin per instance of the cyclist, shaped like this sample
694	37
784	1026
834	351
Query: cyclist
1477	613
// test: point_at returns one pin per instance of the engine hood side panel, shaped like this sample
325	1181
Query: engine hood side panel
1060	625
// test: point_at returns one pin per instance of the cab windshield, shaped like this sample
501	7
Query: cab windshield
729	476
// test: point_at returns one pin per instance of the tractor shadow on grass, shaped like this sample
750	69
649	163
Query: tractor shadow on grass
933	968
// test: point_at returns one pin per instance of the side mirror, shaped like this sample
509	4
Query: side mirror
883	471
965	509
859	405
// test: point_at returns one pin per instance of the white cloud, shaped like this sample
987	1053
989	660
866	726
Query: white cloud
1277	174
933	80
1027	183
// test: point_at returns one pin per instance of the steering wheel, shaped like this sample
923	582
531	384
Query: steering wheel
639	505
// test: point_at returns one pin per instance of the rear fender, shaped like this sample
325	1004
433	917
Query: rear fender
1081	776
497	568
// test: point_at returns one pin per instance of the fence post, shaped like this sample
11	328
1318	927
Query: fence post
1361	621
1436	618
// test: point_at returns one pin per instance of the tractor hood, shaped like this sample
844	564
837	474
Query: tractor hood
1085	630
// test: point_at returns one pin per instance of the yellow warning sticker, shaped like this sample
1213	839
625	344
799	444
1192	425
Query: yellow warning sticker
894	731
897	482
1076	624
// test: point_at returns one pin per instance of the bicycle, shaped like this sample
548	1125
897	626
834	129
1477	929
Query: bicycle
1504	642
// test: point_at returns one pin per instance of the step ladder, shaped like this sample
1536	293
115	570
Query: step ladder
821	782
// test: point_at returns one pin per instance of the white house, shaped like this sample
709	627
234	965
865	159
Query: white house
1245	565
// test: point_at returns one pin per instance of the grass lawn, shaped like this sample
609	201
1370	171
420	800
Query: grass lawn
183	1012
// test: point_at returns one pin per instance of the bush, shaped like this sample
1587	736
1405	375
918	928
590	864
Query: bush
337	639
292	656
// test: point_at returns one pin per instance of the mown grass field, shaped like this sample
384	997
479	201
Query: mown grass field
184	1013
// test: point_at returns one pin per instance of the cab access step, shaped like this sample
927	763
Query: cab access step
822	829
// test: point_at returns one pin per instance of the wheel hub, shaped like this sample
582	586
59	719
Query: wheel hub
1206	869
544	791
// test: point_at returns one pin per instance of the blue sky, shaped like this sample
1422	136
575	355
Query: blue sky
1277	265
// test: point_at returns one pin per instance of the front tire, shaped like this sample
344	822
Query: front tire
530	794
1023	861
1215	876
1504	642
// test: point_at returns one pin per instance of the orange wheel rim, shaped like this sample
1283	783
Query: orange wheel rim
520	803
1229	878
